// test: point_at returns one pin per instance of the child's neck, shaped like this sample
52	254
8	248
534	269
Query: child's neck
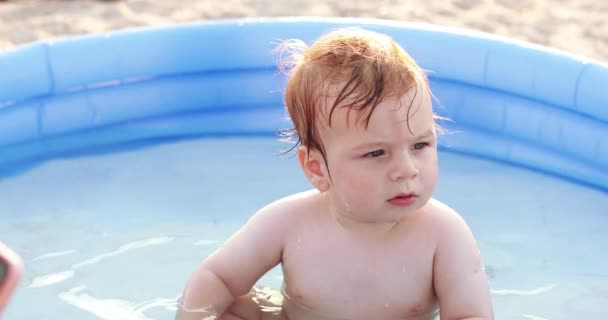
359	228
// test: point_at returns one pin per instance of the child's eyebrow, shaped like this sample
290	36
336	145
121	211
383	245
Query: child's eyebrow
367	146
371	145
426	134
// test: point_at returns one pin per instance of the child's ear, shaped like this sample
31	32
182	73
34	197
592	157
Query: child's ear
313	166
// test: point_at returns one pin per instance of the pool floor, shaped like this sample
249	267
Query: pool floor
116	236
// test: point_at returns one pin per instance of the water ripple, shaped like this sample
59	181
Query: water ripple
515	292
123	249
53	255
58	277
114	309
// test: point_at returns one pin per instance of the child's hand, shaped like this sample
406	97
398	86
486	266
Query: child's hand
259	304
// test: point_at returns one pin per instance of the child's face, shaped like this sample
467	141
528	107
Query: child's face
385	172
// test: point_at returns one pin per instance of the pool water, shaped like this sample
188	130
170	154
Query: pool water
116	236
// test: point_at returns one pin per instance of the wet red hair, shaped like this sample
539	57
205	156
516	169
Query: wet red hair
350	68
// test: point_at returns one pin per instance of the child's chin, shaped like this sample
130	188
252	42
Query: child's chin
400	214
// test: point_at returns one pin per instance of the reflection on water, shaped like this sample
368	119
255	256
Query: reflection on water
515	292
53	255
532	317
124	249
110	309
54	278
50	279
114	309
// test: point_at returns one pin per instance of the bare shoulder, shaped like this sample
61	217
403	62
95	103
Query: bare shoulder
288	210
439	209
443	218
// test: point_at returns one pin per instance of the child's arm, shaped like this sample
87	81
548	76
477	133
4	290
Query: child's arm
234	268
459	278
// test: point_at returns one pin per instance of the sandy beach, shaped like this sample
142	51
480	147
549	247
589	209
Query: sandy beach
577	26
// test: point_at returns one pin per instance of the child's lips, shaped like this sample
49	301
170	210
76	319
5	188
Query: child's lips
403	200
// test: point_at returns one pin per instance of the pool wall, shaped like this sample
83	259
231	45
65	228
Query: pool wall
509	101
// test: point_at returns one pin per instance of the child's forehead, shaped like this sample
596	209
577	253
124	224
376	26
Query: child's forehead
413	103
392	120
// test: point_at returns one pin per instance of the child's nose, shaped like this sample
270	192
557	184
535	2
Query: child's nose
403	167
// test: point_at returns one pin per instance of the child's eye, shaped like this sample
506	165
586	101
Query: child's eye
375	153
420	145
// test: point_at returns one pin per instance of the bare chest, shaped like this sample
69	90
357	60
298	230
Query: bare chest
340	276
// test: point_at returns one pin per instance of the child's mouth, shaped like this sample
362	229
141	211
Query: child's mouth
403	200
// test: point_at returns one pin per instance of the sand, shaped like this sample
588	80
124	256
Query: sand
577	26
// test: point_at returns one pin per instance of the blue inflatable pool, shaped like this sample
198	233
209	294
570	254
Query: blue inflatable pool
509	101
132	155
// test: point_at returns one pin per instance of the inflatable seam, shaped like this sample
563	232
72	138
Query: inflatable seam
49	67
577	84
